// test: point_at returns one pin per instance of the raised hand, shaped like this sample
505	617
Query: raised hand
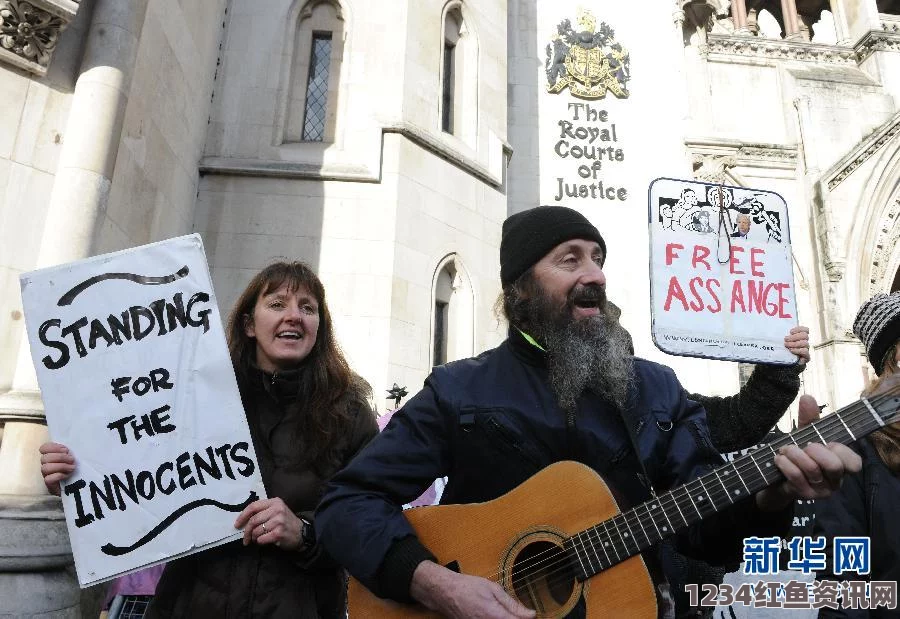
797	341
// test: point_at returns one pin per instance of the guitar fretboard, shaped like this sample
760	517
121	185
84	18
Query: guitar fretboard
612	541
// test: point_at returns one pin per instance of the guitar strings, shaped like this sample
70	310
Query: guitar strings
833	426
562	563
827	425
748	464
537	560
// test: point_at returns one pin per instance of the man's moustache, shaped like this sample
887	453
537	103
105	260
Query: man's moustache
588	294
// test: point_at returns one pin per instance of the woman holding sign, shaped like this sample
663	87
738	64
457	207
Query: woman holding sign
308	415
868	502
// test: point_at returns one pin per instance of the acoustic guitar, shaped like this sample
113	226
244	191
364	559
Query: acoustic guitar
560	535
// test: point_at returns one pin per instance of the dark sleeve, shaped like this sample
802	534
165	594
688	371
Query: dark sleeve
841	514
363	430
718	539
743	420
360	521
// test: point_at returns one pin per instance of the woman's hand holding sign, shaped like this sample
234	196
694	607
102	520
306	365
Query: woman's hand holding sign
270	521
57	464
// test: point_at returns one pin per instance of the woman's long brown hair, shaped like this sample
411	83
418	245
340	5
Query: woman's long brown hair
887	440
328	387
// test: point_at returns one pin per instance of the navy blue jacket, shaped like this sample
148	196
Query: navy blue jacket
867	505
489	423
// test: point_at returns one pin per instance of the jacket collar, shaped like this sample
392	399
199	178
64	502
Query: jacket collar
283	386
530	352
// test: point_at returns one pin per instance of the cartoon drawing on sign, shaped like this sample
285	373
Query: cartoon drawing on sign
721	197
756	209
721	271
700	222
590	62
678	212
687	212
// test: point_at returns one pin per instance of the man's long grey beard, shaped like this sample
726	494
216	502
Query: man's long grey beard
592	353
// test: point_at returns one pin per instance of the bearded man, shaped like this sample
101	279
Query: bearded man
563	386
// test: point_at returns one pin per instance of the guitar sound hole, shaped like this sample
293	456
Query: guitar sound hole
541	577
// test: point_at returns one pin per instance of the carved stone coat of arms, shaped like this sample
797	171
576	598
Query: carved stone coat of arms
590	61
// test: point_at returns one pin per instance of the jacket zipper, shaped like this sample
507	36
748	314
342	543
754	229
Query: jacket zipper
511	440
571	438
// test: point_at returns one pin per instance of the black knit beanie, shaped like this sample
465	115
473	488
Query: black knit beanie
877	324
529	235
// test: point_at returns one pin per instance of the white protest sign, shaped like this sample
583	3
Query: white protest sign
722	286
137	381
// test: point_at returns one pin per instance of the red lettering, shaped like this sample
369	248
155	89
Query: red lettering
697	304
756	296
670	252
715	297
756	263
771	306
701	253
737	296
782	301
733	261
675	292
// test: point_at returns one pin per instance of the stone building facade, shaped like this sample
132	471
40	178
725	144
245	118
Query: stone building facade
384	143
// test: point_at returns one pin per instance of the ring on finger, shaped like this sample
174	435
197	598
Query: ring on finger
265	529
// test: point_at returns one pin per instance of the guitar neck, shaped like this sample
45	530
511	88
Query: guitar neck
612	541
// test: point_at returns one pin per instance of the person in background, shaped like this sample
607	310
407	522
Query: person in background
868	502
308	414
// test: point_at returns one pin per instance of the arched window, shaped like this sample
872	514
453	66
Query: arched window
315	73
449	98
459	75
452	324
443	293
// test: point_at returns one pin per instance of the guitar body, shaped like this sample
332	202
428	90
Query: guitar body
516	540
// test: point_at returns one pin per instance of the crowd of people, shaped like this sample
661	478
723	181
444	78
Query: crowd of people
564	385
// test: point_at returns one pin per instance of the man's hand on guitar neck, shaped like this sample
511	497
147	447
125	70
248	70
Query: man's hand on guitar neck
459	596
811	473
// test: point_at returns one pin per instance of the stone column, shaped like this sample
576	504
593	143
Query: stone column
841	28
790	19
32	580
80	193
837	353
739	16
